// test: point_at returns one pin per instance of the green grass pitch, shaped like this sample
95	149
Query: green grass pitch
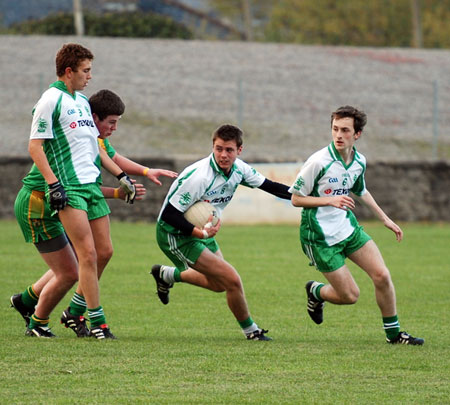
192	351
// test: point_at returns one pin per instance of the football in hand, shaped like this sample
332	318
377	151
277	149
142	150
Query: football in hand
199	213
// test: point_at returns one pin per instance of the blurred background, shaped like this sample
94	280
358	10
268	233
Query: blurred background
275	68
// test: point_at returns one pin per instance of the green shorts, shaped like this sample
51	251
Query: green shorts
89	198
330	258
34	216
183	251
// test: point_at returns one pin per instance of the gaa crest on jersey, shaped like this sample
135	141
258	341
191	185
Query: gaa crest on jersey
299	183
185	198
42	125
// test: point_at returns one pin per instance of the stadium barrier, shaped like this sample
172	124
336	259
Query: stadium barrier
407	191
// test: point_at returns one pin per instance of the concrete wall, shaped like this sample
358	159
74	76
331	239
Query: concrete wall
408	191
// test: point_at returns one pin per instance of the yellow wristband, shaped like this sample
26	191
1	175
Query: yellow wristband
144	173
116	193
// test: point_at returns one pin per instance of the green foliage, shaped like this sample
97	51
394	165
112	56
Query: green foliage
192	352
134	25
346	22
436	23
352	22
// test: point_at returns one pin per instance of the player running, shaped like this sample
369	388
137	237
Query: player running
194	251
329	231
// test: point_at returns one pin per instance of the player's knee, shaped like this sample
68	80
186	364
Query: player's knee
72	277
105	254
88	257
350	297
218	288
382	278
233	282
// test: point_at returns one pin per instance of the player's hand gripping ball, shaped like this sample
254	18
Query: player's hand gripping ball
199	213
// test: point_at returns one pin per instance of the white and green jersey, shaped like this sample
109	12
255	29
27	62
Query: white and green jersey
325	174
65	122
205	181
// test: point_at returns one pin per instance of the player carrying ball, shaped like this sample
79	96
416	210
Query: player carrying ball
194	251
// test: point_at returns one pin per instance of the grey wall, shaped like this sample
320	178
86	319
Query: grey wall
409	191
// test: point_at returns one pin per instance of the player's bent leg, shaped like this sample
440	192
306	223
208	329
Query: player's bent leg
342	289
216	268
199	279
369	258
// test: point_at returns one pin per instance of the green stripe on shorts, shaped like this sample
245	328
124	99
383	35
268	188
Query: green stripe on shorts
183	251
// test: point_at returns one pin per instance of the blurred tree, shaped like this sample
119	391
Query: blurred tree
400	23
250	15
133	24
436	23
350	22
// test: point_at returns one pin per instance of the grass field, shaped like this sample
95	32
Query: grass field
192	351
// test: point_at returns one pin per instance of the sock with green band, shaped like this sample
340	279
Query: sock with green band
391	326
96	316
170	274
248	325
35	321
77	305
29	297
316	291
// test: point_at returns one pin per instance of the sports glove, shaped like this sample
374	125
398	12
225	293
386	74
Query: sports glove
128	187
57	196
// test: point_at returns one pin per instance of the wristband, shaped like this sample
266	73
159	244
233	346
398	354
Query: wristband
205	234
145	171
116	193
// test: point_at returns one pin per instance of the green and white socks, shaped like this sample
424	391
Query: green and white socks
391	326
170	274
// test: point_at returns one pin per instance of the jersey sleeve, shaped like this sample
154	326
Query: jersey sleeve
250	176
43	115
190	189
304	183
107	147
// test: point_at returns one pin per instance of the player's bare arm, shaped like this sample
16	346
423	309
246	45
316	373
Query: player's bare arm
368	200
111	192
40	160
343	202
109	164
137	169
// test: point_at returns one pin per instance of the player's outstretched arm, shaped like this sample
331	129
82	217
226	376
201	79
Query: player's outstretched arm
368	200
277	189
111	192
137	169
342	202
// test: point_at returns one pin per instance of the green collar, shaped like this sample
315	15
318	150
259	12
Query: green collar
60	85
336	155
216	167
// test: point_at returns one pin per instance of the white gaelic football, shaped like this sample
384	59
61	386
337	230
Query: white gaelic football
199	213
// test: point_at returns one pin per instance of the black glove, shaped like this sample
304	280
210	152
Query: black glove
128	187
57	196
